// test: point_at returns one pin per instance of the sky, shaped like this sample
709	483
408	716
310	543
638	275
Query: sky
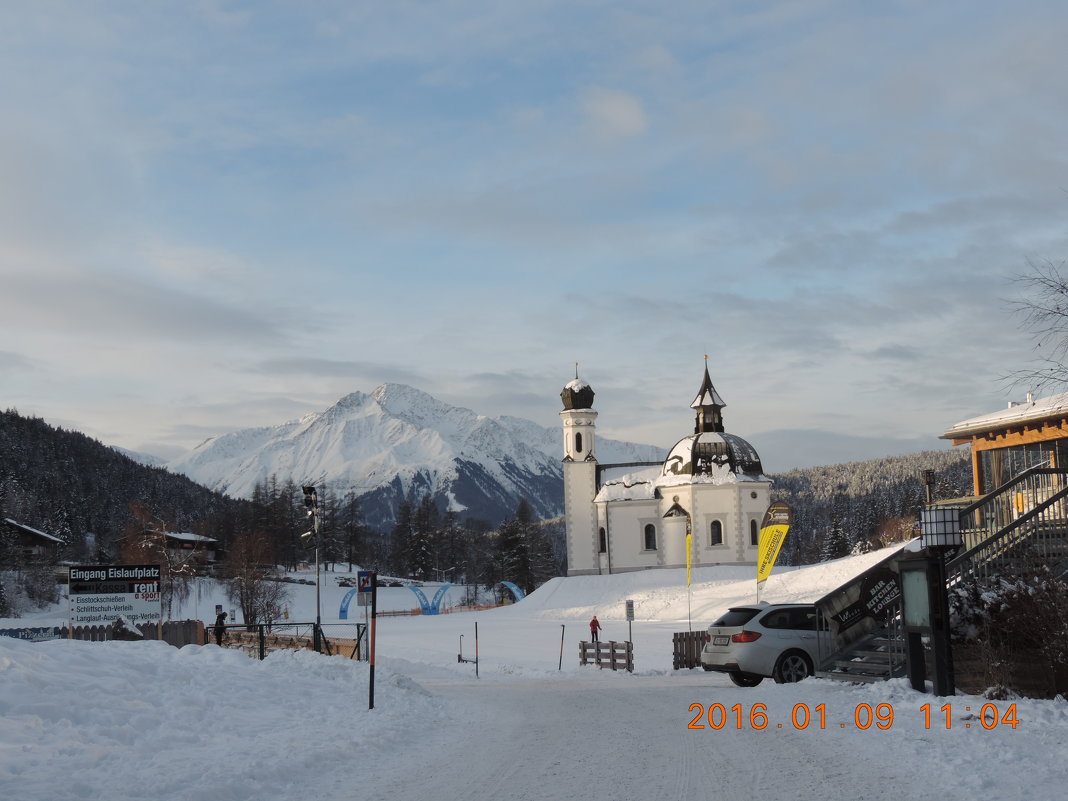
216	215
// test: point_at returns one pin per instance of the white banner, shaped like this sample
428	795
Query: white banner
100	594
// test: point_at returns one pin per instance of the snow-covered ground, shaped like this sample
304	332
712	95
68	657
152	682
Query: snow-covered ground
144	720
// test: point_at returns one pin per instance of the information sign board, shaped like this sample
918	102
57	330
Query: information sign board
100	594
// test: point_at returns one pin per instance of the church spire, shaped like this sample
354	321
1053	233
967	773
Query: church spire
709	406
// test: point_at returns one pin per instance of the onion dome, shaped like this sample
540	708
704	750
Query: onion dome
577	395
712	453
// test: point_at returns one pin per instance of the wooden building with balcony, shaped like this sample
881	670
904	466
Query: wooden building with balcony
1007	443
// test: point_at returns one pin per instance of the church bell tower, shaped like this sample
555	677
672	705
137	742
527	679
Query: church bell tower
580	477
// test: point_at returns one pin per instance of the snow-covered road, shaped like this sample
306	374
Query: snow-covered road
628	737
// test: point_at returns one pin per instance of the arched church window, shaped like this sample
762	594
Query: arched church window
603	536
715	534
578	443
650	537
754	534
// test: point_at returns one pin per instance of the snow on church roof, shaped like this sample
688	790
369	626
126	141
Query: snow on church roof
628	484
642	485
707	395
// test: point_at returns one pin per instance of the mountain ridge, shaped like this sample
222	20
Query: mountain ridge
398	443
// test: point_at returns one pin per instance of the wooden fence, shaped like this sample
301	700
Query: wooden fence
616	655
175	632
686	649
261	642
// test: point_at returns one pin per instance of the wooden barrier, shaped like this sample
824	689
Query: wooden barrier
250	643
175	632
616	655
686	649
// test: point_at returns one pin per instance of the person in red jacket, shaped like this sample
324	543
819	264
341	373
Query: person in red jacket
595	626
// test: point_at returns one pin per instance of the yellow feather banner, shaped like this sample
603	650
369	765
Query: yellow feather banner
773	531
689	556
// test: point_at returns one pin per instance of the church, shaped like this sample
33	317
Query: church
635	516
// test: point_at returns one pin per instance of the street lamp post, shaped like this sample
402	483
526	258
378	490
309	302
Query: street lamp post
311	503
940	533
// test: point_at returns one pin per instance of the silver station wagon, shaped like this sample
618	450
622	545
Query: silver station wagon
752	642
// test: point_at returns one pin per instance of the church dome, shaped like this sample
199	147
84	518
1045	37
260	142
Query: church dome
577	395
712	453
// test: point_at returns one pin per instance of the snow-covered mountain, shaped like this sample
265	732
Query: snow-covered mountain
399	443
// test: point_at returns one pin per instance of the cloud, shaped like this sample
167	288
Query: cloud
657	58
612	114
383	372
115	306
10	362
905	353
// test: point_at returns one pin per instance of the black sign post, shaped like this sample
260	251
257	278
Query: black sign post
374	619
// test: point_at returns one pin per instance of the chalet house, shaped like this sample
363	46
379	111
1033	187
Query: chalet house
34	544
187	547
1009	442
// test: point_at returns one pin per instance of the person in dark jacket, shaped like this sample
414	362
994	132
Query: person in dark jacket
595	626
220	621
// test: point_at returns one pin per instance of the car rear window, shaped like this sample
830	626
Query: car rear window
737	617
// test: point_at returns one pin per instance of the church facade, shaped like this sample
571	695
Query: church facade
636	516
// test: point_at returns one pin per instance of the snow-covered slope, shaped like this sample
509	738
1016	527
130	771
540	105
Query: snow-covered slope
400	443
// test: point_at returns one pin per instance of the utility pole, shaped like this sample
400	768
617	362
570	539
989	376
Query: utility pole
311	503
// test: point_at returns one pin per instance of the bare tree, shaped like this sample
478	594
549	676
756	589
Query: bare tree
144	542
1043	312
251	568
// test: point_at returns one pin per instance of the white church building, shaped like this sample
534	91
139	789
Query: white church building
624	517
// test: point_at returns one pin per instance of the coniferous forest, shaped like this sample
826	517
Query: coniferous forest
96	499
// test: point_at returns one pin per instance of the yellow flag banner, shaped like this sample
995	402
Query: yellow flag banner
689	556
773	530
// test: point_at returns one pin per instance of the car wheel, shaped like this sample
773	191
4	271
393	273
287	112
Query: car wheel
792	666
746	679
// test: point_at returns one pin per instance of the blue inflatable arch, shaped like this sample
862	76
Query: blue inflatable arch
516	592
426	607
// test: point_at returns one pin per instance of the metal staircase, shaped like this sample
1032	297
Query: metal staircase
877	656
1024	524
1020	526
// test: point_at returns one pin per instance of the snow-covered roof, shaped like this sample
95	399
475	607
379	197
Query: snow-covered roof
186	536
727	452
33	530
707	395
1055	406
625	483
577	394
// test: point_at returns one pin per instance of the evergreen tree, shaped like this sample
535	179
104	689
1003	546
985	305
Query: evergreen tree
542	563
400	541
351	531
513	547
422	543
